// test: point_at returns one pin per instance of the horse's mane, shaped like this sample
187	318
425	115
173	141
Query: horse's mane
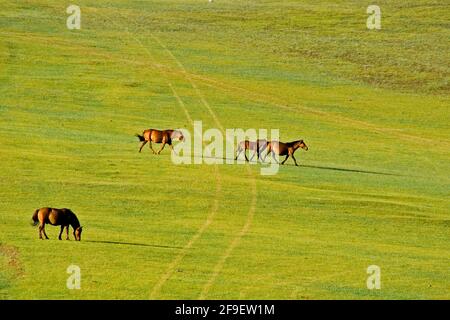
294	142
74	220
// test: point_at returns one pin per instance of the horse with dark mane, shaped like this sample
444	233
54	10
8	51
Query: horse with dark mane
159	136
257	147
285	149
57	217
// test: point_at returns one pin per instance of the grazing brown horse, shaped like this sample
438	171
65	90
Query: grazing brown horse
159	136
257	147
57	217
285	149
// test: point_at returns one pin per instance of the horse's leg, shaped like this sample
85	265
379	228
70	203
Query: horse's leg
60	233
67	232
254	155
260	152
162	147
261	156
285	159
268	151
295	161
274	158
40	232
150	145
142	145
173	150
245	154
238	152
43	230
264	159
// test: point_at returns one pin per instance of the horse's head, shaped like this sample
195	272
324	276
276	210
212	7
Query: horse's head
302	144
178	135
77	233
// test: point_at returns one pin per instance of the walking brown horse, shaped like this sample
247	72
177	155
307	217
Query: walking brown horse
159	136
57	217
257	147
285	149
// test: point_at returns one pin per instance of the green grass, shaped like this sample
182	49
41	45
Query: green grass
373	107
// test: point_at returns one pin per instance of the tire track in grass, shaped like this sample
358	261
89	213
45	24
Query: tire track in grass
219	266
194	86
215	206
297	108
171	269
251	212
181	103
257	96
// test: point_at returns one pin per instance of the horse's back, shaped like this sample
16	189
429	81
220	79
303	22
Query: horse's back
278	147
243	145
262	144
147	134
54	216
252	145
157	136
43	213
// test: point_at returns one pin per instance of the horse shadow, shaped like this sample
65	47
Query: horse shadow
347	170
241	161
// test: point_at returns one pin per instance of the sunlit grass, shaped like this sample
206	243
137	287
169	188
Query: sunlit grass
372	189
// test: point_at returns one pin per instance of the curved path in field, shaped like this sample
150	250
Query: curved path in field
215	206
251	212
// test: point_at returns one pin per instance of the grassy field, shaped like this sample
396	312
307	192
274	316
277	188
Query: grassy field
373	189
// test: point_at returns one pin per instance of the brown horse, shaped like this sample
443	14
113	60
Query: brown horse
257	147
57	217
159	136
285	149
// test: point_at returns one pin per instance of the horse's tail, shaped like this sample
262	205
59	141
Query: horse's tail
34	218
140	137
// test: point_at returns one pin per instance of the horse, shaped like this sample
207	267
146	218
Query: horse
57	217
159	136
285	149
257	147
